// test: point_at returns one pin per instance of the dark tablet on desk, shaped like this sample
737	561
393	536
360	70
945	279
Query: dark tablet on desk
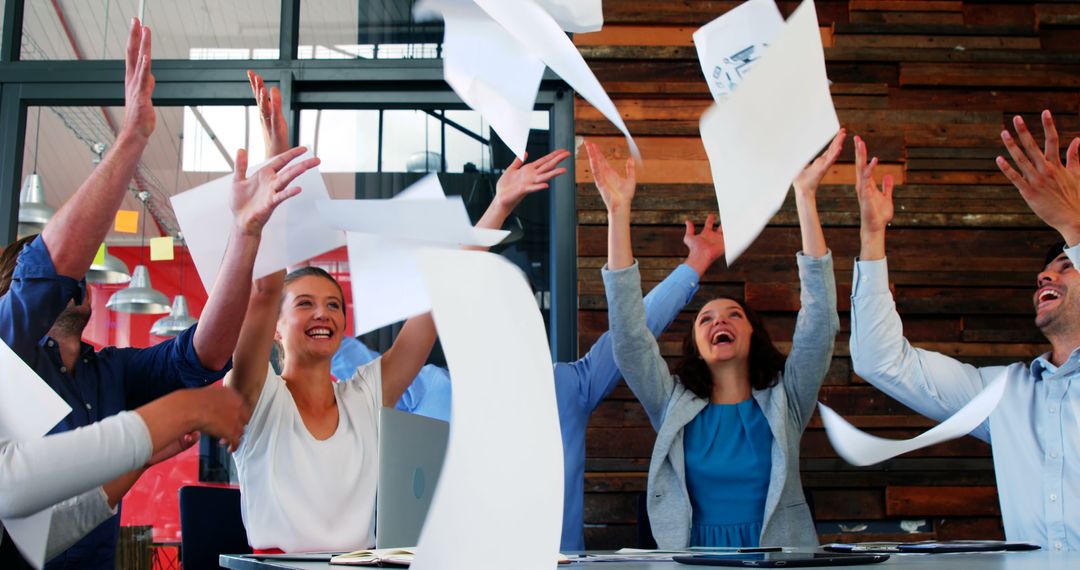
781	559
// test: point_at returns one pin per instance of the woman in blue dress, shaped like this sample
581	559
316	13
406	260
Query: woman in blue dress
725	466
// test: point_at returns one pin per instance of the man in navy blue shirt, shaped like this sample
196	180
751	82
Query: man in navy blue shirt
44	307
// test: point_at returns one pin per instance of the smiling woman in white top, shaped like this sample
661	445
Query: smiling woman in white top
308	463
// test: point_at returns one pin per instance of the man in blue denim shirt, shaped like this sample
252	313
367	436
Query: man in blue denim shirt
580	386
44	308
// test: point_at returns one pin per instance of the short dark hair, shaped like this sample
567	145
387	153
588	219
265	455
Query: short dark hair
1053	252
9	258
766	362
312	271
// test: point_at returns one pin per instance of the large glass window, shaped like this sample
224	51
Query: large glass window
372	29
195	29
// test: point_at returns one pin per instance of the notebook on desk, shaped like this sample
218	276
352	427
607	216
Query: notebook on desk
411	453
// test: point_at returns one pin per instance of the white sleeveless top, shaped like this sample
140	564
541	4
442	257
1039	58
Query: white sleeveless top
301	494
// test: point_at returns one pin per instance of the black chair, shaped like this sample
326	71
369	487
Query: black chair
644	528
210	525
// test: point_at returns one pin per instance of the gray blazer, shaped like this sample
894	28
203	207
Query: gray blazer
670	406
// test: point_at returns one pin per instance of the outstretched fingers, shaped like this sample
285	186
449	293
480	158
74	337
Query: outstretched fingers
1052	151
286	176
278	162
1027	141
240	165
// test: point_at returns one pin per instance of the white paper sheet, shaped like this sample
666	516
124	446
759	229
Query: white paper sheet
295	233
766	132
860	448
495	342
28	410
386	284
730	45
494	52
491	71
577	16
541	35
443	221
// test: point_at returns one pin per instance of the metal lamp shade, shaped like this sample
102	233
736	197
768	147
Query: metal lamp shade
139	297
34	213
110	271
177	322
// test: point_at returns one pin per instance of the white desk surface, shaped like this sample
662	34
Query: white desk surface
1037	560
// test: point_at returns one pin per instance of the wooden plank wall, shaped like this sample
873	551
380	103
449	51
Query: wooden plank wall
929	85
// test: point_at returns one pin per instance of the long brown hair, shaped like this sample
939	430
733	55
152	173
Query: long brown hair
8	259
766	362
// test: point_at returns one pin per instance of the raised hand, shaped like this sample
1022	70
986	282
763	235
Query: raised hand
275	131
875	206
705	247
617	191
1051	189
520	179
807	181
139	115
254	199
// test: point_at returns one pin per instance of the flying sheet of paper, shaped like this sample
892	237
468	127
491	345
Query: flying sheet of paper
766	132
493	336
444	221
294	233
730	45
576	16
28	410
386	283
491	71
494	53
382	237
541	35
860	448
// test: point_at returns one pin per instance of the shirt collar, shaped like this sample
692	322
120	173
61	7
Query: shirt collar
1042	365
86	350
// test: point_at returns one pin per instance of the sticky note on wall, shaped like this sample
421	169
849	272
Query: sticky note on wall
127	221
161	248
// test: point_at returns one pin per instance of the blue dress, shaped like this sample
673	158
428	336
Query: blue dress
728	464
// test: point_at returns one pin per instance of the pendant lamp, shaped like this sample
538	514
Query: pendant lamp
178	321
34	213
110	271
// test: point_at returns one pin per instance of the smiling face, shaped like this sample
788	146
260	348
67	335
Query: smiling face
312	318
1057	299
722	332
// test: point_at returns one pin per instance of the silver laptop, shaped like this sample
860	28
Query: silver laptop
411	453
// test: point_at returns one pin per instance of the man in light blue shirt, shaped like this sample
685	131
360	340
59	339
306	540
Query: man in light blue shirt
580	386
1035	430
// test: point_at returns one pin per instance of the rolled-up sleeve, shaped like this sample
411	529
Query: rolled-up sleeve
150	373
35	299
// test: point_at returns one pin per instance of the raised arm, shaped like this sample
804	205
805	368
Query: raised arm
932	384
806	185
79	227
251	357
636	352
817	321
403	361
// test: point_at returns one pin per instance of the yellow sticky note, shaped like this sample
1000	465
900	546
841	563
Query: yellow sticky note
161	248
127	221
99	257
